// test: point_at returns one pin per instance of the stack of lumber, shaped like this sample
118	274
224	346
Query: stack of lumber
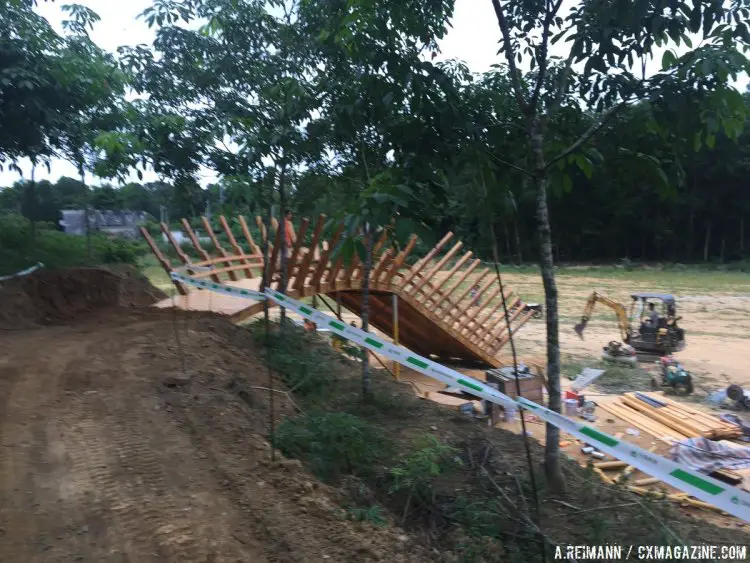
669	420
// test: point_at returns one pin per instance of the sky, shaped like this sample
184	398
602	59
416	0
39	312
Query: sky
473	38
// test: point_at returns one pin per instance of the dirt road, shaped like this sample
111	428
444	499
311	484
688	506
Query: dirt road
107	453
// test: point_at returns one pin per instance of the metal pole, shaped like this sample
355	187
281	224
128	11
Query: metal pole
397	366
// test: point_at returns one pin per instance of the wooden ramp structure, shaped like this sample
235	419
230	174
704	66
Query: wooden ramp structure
438	316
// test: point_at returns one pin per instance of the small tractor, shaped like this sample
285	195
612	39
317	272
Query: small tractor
672	375
650	329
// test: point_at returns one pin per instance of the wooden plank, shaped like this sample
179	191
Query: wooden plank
235	268
463	317
385	260
398	263
476	333
466	292
469	270
504	340
302	272
254	248
478	323
323	263
480	311
437	267
296	250
253	259
419	265
681	426
233	243
449	276
262	229
197	245
184	258
349	272
217	245
360	269
497	332
165	264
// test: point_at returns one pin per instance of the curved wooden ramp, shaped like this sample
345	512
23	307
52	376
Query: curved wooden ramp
437	315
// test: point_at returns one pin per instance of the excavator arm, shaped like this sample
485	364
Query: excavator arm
618	308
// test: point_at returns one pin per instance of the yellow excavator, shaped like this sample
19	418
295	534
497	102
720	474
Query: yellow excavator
648	329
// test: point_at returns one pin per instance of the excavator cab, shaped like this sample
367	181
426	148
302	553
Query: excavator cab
662	336
649	332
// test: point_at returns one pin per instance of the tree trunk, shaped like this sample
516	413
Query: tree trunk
265	282
518	241
742	235
284	249
723	249
552	468
707	242
508	251
366	310
86	217
32	201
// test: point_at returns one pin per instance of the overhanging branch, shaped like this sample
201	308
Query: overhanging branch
551	12
510	57
590	132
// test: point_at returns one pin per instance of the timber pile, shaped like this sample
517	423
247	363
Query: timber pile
669	420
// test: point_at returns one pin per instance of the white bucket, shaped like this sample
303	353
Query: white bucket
570	407
510	414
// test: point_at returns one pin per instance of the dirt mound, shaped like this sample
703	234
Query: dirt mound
49	297
127	443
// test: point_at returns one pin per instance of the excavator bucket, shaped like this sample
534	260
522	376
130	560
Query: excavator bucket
580	327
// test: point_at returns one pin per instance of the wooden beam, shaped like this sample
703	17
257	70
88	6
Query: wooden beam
184	258
437	267
466	292
446	297
301	278
480	314
233	243
323	262
504	340
462	323
475	333
498	331
162	260
400	260
296	250
358	271
197	245
418	266
254	248
385	260
262	230
449	276
217	245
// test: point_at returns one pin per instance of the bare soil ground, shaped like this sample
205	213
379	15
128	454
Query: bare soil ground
111	452
715	307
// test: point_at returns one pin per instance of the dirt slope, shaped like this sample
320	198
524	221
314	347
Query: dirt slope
111	453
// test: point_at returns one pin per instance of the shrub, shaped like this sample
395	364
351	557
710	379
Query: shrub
21	248
416	475
332	444
301	360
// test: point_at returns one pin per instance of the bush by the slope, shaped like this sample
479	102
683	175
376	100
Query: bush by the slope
21	247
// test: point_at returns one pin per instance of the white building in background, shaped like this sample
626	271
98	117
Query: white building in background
119	223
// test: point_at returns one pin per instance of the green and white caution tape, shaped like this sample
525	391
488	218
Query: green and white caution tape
713	491
22	273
